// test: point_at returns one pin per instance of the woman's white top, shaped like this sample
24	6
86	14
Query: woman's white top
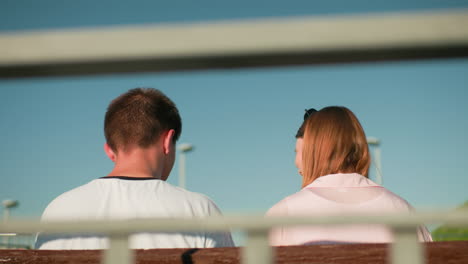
335	194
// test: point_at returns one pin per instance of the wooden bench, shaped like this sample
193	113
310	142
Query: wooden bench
455	252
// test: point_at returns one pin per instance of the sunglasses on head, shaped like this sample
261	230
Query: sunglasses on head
308	113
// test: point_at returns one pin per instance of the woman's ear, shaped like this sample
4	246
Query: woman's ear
168	141
109	152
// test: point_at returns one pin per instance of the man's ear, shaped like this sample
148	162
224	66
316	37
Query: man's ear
109	152
167	141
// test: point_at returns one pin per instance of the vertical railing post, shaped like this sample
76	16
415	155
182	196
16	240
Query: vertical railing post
257	249
406	247
118	251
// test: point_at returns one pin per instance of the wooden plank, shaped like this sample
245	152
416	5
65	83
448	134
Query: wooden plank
455	252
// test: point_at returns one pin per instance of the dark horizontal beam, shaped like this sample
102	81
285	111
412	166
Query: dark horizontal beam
230	62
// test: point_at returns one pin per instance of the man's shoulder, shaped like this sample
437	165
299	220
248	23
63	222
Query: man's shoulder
182	198
70	199
182	193
78	190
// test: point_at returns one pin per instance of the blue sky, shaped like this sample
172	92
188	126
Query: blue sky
241	122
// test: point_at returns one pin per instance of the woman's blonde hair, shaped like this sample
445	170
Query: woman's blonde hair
334	142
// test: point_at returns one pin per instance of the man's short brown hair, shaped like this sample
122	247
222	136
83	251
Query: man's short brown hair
138	117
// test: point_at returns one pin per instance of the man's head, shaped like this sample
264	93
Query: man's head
138	118
333	142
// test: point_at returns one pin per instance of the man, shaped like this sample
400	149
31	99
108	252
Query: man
141	128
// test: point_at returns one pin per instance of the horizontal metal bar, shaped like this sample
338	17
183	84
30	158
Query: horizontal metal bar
255	43
246	223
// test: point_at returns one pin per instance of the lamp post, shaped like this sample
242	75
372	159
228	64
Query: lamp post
375	142
183	148
7	205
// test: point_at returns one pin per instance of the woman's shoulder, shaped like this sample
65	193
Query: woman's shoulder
290	203
280	208
394	201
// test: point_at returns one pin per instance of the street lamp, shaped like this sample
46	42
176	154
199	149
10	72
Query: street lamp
7	204
183	148
372	141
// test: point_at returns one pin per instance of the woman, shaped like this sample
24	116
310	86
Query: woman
333	158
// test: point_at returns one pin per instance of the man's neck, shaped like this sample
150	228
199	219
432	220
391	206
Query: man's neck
139	163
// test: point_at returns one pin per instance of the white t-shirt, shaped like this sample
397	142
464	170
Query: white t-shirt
336	194
131	198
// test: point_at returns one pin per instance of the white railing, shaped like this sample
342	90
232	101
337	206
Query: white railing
16	241
405	249
236	44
